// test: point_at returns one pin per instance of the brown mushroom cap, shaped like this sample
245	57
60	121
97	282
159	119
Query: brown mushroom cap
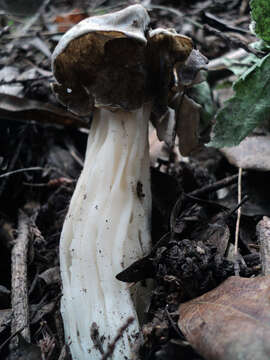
166	50
101	62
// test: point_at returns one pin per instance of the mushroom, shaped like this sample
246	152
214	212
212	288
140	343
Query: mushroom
103	66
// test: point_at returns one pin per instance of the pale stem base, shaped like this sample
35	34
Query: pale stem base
106	229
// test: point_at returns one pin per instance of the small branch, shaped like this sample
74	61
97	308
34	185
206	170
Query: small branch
34	168
19	298
233	41
203	191
19	281
121	331
236	264
216	186
243	200
263	234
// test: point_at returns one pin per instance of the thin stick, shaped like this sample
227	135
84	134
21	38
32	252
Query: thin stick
263	235
19	298
216	186
236	264
233	41
34	168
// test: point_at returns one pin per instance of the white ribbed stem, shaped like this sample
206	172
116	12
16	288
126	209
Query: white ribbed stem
106	229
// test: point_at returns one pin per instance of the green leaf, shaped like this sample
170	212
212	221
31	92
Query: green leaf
247	109
260	13
240	67
201	93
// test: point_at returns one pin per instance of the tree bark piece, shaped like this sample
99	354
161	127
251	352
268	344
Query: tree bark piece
19	298
263	233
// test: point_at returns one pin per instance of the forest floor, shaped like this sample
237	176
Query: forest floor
195	218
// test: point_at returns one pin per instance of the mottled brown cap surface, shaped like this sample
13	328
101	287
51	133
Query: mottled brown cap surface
101	62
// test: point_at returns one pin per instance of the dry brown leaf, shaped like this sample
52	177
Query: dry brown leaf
187	125
66	21
22	109
231	322
51	275
252	153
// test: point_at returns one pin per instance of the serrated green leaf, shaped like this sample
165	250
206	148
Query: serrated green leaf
247	109
260	13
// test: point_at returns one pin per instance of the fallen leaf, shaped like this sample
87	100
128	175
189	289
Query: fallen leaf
187	125
231	322
66	21
51	275
252	153
22	109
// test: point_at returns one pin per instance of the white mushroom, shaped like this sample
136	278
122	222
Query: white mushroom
101	65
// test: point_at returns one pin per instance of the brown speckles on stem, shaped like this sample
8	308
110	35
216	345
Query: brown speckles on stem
139	189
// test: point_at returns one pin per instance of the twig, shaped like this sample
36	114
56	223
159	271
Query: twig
10	338
221	24
243	200
233	41
263	234
202	191
121	331
19	298
216	186
34	168
236	263
175	327
19	282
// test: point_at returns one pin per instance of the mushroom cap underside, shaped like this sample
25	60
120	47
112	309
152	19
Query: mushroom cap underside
113	61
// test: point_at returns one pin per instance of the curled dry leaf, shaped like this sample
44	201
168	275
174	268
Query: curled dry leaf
51	275
230	322
187	125
188	73
22	109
